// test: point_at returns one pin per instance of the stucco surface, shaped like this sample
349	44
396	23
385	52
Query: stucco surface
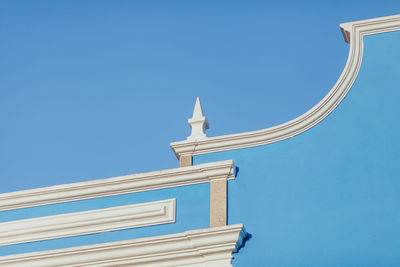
192	212
329	196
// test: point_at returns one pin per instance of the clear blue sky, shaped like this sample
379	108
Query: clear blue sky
94	89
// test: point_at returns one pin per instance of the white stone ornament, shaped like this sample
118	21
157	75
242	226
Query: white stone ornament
198	123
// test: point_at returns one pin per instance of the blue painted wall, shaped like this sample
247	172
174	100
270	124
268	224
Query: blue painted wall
192	212
330	196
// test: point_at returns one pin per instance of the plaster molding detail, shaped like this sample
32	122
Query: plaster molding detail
202	173
353	33
210	247
198	123
87	222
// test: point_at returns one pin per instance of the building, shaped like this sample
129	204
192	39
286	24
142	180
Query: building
320	190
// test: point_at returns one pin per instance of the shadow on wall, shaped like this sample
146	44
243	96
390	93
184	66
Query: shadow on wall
248	237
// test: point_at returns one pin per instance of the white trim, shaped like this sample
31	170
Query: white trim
201	173
87	222
353	33
211	247
198	123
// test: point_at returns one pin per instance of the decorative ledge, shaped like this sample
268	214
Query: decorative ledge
87	222
211	247
201	173
353	33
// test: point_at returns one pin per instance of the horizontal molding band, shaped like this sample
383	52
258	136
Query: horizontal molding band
87	222
201	173
205	247
353	33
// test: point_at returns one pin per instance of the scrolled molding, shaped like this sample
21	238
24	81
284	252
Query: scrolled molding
201	173
210	247
353	33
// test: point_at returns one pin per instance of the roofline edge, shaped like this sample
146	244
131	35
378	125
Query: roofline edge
132	183
353	33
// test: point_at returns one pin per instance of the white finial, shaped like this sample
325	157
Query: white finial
198	123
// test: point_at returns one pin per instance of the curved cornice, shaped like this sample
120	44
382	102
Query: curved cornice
353	33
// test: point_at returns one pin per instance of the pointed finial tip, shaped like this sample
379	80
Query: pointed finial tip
197	111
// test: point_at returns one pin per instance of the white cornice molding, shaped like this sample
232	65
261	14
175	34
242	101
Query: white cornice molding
87	222
210	247
201	173
353	33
